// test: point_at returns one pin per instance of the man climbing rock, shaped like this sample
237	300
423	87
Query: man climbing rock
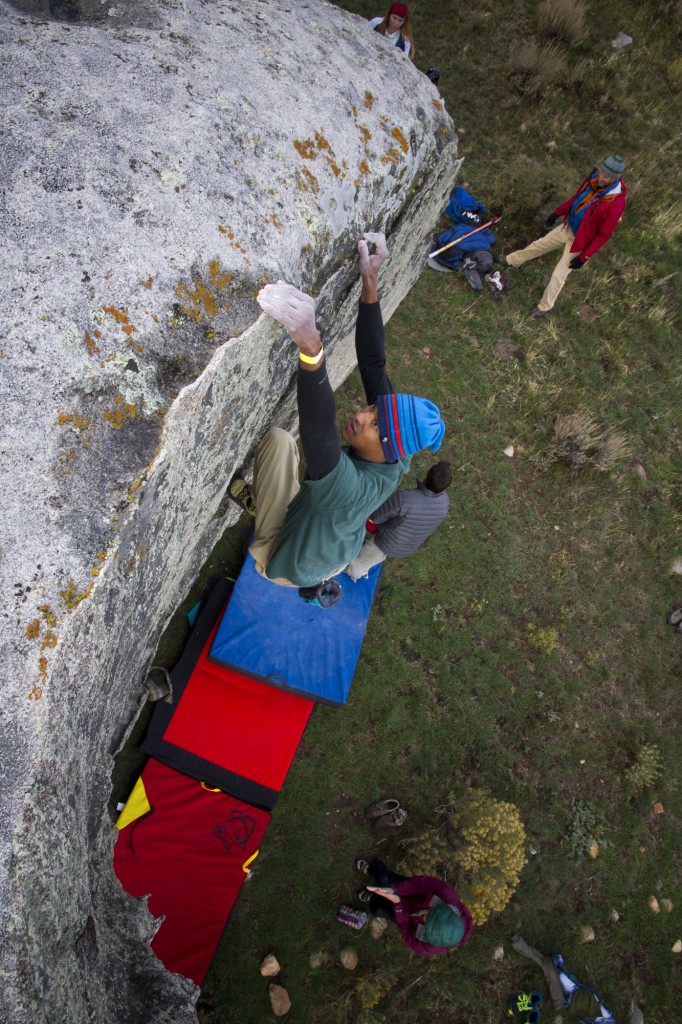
405	521
590	218
306	533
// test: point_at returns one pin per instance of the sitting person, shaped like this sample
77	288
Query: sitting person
428	912
307	532
405	521
395	26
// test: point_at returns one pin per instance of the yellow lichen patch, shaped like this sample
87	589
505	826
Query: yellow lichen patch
307	182
48	615
75	419
369	99
400	139
197	300
72	598
147	282
129	329
219	279
392	157
118	417
306	149
131	492
36	692
91	344
49	640
33	629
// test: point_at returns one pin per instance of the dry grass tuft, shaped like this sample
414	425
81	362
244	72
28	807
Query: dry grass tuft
579	440
563	21
537	67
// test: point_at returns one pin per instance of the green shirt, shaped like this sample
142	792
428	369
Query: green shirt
324	526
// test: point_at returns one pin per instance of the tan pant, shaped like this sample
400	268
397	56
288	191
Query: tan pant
560	235
370	555
275	484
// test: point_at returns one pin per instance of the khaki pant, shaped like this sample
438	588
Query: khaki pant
559	235
275	484
370	555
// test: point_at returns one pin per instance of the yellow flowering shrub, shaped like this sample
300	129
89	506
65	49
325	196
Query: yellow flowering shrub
479	845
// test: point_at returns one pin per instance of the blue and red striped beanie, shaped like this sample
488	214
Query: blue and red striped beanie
407	425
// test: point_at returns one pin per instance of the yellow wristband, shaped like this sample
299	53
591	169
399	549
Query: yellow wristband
311	360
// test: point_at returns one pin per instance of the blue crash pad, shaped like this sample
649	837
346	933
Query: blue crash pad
272	634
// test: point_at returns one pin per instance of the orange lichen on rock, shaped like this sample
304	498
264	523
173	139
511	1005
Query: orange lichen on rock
36	692
364	167
306	149
119	315
49	640
33	629
118	417
91	344
75	419
369	99
400	139
147	282
307	182
48	615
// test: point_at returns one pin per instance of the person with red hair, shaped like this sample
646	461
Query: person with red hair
395	26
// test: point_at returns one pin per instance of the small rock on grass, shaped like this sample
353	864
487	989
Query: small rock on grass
348	958
667	906
654	905
677	946
498	954
586	933
378	927
316	960
279	999
594	849
270	967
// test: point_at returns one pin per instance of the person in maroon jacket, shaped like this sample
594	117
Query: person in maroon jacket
429	914
590	218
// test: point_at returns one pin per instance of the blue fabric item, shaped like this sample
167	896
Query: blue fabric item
269	633
484	239
193	612
408	425
464	209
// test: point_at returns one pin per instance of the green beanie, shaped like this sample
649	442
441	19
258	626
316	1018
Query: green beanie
444	926
612	167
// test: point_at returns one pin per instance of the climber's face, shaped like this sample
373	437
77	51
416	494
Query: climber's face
362	434
395	22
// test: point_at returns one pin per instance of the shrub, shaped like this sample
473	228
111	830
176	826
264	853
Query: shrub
535	68
543	640
646	767
588	826
580	440
480	844
562	21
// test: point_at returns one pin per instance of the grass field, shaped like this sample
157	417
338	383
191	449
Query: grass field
453	688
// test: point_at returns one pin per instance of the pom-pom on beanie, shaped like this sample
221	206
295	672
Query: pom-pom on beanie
613	166
407	425
444	926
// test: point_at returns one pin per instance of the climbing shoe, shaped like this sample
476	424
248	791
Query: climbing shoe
240	492
522	1005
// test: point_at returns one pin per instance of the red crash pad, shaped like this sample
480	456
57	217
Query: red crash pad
188	853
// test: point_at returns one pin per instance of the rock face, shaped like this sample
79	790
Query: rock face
160	161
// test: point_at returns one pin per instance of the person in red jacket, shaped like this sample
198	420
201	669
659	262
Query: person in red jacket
429	914
590	218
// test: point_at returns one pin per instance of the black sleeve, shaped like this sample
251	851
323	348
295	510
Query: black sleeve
369	349
317	420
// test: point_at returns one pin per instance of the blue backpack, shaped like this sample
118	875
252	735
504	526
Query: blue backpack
467	213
